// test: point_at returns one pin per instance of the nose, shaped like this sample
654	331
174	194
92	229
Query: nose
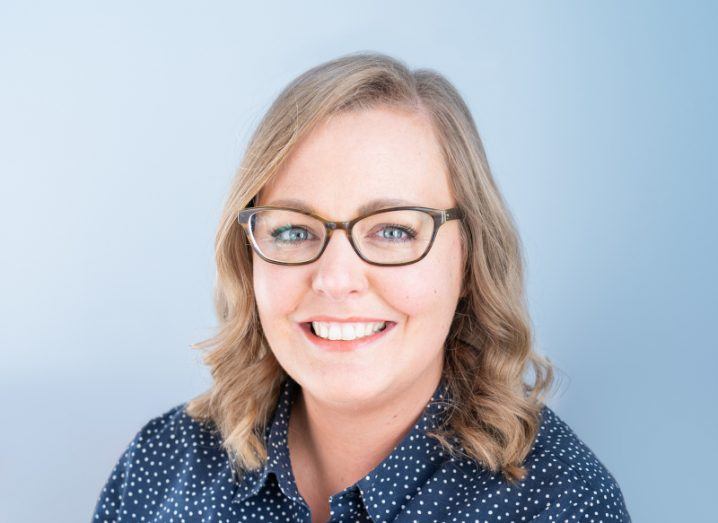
340	272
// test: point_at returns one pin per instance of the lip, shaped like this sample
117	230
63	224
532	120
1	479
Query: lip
345	345
352	319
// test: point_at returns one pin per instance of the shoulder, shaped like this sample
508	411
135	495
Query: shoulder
564	481
575	482
557	445
172	456
173	438
175	428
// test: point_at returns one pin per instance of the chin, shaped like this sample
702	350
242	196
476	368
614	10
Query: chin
352	389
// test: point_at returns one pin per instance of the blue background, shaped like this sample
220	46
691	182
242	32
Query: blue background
121	126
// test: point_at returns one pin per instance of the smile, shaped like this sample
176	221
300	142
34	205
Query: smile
345	336
346	331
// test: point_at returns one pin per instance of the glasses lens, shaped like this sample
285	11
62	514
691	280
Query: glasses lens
287	236
394	236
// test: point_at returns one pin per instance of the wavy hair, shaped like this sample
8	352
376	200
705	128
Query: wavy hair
493	414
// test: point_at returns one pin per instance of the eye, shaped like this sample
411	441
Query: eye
290	234
396	232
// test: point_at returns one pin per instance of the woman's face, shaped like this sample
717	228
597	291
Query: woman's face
343	164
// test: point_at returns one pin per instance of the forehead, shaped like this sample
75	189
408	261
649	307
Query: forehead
361	161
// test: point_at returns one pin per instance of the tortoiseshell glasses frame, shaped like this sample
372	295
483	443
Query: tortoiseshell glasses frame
439	217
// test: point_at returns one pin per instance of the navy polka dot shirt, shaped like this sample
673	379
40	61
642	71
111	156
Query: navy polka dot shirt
174	470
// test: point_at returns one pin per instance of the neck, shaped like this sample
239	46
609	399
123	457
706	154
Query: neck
336	447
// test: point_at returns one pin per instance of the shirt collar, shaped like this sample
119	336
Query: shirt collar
383	476
275	441
279	463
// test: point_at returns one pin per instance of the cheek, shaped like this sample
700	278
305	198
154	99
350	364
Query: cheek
428	288
275	289
409	292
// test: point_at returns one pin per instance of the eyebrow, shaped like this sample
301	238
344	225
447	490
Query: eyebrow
373	205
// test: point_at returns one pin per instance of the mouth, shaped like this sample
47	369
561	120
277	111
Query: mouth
345	345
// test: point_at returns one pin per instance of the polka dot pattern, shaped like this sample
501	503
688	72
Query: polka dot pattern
175	470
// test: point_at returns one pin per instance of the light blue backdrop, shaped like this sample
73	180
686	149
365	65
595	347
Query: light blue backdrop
120	128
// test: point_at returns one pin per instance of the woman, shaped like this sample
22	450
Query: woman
373	373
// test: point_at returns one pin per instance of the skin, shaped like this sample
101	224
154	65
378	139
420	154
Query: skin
355	407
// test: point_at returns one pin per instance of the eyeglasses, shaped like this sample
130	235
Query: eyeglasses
392	236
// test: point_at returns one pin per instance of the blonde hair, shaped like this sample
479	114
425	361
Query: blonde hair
493	415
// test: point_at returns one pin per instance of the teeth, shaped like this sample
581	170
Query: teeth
346	331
